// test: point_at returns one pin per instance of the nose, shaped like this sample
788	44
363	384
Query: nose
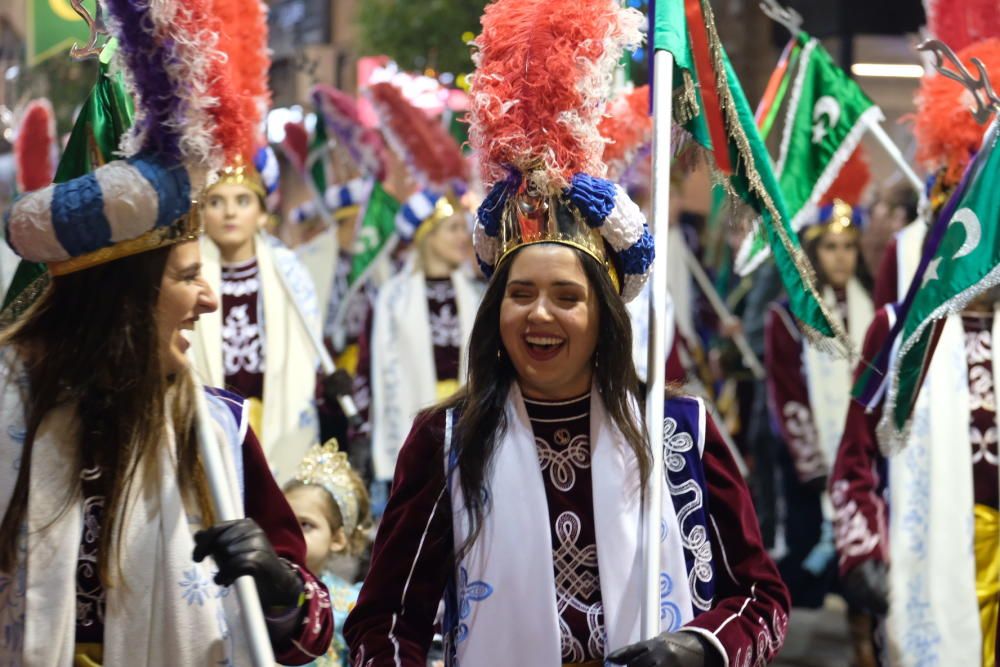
540	311
230	208
207	301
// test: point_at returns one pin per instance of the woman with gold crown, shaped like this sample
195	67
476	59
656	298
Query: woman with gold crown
520	499
258	344
808	395
413	353
109	549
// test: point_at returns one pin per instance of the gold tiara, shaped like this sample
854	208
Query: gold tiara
241	173
529	219
841	221
443	209
188	227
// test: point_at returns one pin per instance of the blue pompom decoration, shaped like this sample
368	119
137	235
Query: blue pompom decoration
593	197
637	258
491	209
487	269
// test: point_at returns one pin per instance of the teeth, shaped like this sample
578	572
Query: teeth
540	340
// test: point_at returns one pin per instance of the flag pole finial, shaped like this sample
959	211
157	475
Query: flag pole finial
987	101
96	27
785	16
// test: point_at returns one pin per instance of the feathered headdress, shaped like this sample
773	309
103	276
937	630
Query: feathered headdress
363	144
424	144
187	120
543	74
295	145
627	128
947	134
960	23
35	146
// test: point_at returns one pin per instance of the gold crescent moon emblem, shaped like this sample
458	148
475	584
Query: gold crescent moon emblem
64	11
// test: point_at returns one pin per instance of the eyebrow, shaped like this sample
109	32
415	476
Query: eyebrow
194	266
557	283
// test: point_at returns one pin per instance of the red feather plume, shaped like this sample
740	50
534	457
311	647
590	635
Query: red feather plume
34	146
960	23
243	38
852	180
422	142
627	128
543	73
295	145
947	134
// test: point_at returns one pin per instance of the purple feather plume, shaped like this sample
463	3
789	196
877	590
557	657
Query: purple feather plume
147	61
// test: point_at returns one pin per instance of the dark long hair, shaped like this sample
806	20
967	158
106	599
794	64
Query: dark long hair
482	401
861	272
91	341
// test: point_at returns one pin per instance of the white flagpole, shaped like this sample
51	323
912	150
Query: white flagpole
892	150
221	486
663	65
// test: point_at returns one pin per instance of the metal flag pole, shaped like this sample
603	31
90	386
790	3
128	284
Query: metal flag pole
663	66
221	485
346	402
892	150
739	338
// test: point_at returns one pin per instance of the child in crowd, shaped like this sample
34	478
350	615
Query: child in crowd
332	506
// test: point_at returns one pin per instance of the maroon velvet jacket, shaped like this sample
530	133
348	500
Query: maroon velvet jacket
748	618
788	394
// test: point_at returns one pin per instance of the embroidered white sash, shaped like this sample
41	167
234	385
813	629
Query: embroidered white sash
506	583
165	611
403	378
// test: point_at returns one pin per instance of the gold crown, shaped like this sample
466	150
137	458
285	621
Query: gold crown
241	173
188	227
443	210
529	219
326	466
840	222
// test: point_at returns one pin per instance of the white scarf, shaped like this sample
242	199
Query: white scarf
506	584
165	609
289	423
638	311
828	376
319	255
933	611
403	377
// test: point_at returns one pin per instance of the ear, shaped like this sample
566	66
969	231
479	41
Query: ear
338	541
262	219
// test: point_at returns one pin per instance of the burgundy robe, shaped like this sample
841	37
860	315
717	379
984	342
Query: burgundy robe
748	616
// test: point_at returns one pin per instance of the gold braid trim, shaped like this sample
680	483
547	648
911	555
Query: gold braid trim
27	298
840	344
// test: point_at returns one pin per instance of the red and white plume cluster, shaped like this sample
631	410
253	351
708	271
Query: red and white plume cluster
544	71
947	134
35	151
422	142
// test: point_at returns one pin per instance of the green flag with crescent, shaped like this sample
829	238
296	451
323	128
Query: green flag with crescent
827	115
965	263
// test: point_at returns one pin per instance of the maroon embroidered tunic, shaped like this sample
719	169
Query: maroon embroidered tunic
446	337
394	619
265	504
857	484
242	342
562	440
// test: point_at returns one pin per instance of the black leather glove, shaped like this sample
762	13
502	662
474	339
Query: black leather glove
816	485
241	547
867	587
671	649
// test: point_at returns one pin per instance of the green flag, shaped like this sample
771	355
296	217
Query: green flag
962	260
751	178
104	119
316	158
377	227
52	28
827	116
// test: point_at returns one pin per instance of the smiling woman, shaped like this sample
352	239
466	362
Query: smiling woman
519	500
